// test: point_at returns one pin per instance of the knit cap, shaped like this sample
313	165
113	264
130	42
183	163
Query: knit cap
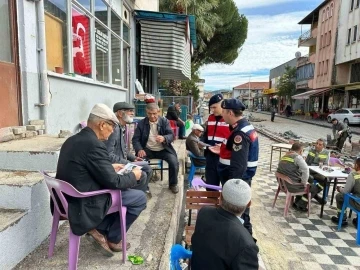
236	192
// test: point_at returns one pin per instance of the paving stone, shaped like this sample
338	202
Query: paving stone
20	136
19	130
7	137
64	134
37	122
30	134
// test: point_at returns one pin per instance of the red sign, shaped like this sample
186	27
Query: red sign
81	43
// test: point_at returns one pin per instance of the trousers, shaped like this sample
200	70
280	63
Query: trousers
211	173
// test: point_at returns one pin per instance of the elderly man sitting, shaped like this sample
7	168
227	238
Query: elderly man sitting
117	147
193	145
84	163
220	240
152	139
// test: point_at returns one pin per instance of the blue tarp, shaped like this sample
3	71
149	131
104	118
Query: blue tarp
164	16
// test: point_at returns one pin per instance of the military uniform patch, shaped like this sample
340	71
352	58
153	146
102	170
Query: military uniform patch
236	147
237	139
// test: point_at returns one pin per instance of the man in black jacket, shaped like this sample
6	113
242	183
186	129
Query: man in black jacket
84	163
118	150
220	240
152	139
173	113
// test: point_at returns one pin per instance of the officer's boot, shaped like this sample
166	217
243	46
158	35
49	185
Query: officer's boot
335	219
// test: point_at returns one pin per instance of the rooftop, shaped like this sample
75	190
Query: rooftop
313	16
253	85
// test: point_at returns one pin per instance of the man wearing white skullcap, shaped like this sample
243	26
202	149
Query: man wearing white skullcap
220	240
193	145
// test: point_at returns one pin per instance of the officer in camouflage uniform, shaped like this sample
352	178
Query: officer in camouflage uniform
352	186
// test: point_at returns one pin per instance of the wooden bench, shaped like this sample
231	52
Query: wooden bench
195	200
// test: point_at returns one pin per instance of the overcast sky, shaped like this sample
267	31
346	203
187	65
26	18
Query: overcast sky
272	40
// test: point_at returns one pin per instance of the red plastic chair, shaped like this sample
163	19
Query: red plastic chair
174	128
281	179
60	188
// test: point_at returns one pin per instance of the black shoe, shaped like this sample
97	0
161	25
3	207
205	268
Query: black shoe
174	189
320	200
355	222
335	220
301	209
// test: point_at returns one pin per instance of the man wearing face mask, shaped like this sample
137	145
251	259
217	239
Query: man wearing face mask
117	148
216	131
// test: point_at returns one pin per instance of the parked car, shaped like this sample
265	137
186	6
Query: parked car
347	115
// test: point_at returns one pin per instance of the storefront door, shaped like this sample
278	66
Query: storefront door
9	82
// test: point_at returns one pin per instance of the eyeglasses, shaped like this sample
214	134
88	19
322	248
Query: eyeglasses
112	124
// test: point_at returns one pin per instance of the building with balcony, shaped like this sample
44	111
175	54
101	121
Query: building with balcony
348	52
251	93
316	73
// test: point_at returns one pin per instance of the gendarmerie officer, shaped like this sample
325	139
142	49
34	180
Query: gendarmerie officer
239	153
216	131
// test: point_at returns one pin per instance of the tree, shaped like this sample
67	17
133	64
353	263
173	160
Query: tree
287	83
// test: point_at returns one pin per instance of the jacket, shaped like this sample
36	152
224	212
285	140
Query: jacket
117	147
84	163
313	158
193	146
216	130
142	132
239	154
294	166
220	241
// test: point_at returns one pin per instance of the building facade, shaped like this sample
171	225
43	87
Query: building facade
316	72
64	56
251	93
348	52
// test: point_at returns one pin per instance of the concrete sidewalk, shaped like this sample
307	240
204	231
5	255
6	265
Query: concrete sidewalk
151	236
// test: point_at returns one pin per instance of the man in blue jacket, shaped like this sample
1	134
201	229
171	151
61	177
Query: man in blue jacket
152	139
117	148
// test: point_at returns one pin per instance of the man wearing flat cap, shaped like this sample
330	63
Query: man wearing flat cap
239	153
117	148
216	131
84	163
220	240
192	145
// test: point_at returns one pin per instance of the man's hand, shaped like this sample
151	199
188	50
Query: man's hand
137	173
339	132
215	149
160	139
141	154
118	167
138	159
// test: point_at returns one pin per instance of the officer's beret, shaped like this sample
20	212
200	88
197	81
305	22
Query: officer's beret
233	104
215	99
123	106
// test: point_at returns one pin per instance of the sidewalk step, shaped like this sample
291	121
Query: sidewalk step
33	154
16	188
9	217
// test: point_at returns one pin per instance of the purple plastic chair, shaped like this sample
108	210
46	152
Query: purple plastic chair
198	182
60	188
83	124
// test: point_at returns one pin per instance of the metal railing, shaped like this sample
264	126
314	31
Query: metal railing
305	36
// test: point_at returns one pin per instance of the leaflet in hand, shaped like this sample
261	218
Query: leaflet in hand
128	168
204	144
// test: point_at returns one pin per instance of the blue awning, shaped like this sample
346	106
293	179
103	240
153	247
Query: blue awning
164	16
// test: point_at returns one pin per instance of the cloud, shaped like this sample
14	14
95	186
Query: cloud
242	4
272	41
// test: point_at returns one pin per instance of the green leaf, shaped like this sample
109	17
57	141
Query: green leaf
136	260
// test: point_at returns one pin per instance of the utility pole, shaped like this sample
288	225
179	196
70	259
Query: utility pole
249	93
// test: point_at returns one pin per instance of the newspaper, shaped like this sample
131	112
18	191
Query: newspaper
128	168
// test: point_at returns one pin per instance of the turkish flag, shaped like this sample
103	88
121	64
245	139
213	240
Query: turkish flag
81	43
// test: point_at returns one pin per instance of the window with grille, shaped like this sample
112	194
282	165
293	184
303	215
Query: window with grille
355	73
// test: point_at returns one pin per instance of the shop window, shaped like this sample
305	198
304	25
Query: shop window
115	23
126	33
102	53
101	11
5	31
116	60
81	42
348	36
56	35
